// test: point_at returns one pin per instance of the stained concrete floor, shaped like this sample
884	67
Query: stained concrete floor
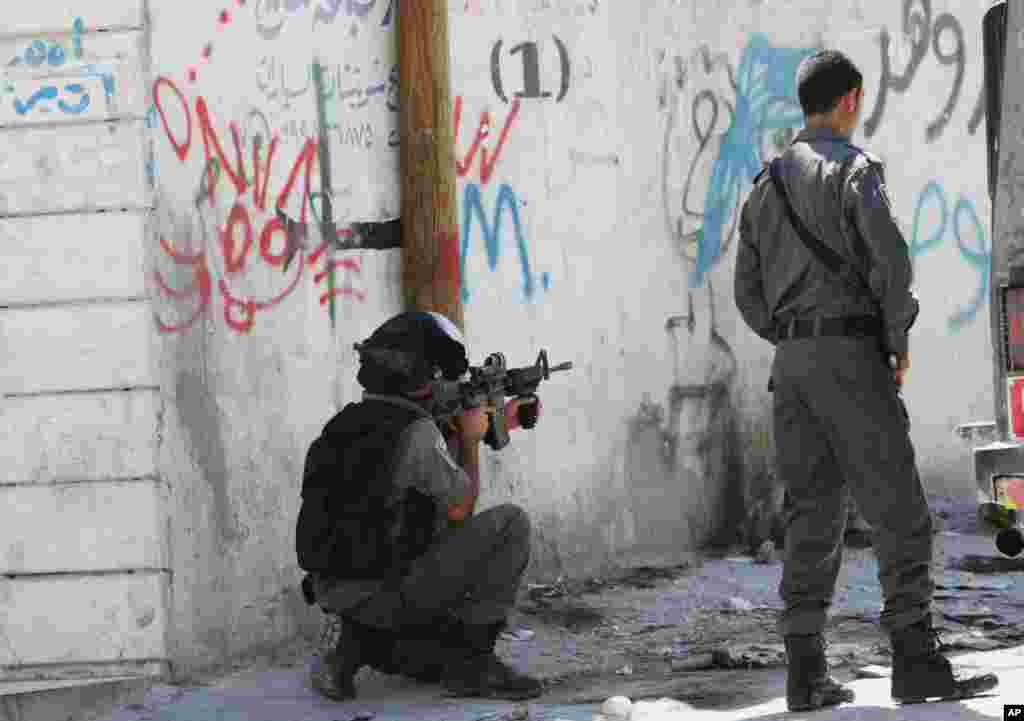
701	634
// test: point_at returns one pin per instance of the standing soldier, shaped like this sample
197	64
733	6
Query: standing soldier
824	274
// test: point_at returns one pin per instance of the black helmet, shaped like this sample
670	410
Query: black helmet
408	351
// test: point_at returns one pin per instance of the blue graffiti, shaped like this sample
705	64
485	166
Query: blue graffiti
978	256
77	28
918	246
765	104
472	205
47	93
50	92
329	9
40	53
83	102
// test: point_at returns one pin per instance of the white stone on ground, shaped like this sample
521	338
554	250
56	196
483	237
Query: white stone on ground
620	708
662	709
617	707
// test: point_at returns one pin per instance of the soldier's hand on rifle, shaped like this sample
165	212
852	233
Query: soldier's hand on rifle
899	362
472	423
522	412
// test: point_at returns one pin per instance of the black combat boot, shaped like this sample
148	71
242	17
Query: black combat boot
420	657
808	685
472	669
921	672
357	646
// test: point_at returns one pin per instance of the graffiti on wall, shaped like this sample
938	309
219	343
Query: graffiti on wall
697	429
505	202
937	218
311	116
80	80
723	122
928	36
529	55
223	241
348	84
729	128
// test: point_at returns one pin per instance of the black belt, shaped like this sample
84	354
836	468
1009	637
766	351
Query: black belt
857	326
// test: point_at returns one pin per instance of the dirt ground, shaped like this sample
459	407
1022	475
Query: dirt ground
704	632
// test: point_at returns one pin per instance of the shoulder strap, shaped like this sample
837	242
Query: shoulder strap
828	257
760	174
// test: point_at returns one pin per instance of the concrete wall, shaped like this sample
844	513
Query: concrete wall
603	150
84	560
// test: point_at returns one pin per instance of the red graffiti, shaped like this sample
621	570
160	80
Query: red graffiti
235	263
351	265
200	284
487	161
180	149
276	242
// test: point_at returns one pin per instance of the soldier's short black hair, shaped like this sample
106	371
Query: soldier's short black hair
823	78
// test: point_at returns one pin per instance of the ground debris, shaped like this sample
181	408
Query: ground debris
643	577
516	634
740	604
520	713
733	657
873	671
969	616
987	564
654	627
967	582
1008	635
970	641
648	576
697	662
558	589
569	613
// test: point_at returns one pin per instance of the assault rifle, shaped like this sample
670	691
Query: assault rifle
492	382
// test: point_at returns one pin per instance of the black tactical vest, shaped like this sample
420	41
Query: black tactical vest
353	521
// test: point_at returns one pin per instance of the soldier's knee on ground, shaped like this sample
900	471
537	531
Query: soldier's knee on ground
518	522
507	520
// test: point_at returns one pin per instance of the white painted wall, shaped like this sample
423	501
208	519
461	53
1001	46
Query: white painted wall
85	513
599	224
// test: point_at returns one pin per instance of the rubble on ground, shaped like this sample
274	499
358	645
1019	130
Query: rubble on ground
988	564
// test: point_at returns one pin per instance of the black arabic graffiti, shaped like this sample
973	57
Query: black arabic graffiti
530	55
924	34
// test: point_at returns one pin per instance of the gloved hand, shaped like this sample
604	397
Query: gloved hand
522	412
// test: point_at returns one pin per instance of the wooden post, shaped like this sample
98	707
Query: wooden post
430	258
